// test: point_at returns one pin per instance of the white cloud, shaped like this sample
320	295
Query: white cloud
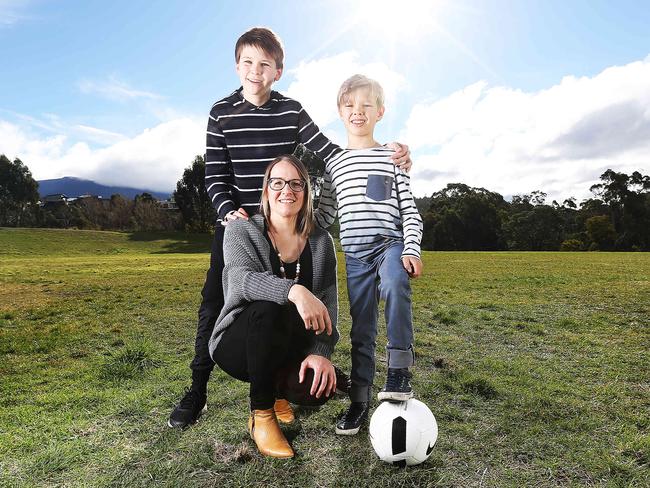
316	83
153	159
558	140
115	89
100	136
53	124
11	12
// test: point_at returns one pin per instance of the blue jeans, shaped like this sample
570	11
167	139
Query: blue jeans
382	276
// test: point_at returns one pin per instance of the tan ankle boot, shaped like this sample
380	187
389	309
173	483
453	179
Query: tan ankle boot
265	431
283	411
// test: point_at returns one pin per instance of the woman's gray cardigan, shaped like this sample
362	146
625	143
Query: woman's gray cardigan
248	277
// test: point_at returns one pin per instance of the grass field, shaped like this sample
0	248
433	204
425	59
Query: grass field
536	365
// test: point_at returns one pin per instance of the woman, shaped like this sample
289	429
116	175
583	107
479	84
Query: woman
277	329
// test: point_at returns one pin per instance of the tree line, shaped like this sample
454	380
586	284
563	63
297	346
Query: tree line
458	217
616	218
19	207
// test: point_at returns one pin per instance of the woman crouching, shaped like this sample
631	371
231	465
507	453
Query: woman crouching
277	329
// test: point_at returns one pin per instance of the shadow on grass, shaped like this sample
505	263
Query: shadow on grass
179	242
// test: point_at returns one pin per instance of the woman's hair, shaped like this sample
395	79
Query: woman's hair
305	219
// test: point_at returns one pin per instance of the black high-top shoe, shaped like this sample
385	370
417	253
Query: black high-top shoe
188	410
350	422
398	386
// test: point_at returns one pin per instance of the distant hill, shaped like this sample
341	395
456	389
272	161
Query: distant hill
74	187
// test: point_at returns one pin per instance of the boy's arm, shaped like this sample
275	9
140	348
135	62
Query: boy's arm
218	168
313	139
325	214
411	220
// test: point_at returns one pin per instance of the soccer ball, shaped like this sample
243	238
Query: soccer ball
403	433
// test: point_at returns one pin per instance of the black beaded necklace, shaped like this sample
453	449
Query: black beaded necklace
283	273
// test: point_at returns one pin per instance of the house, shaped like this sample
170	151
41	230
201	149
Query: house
54	199
169	204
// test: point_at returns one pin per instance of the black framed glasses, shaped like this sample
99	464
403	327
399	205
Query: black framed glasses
278	184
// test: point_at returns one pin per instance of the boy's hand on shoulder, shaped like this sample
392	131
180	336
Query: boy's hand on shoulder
234	215
412	265
402	156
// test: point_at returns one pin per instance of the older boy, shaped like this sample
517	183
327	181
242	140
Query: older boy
381	231
246	131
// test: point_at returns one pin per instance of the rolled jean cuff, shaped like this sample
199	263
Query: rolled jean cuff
400	358
360	393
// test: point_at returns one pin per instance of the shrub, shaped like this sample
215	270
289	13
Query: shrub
572	245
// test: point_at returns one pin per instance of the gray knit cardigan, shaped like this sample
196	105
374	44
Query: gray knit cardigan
248	277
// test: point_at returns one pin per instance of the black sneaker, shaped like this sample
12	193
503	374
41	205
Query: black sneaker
188	411
350	422
398	386
343	382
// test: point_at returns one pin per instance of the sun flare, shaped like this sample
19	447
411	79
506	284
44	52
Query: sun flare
408	20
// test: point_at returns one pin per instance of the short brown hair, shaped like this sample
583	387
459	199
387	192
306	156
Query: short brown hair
355	82
305	220
264	39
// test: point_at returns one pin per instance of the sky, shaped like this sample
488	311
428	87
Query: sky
511	96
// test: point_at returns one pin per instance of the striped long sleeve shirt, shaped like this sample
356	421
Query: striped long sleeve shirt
242	139
373	201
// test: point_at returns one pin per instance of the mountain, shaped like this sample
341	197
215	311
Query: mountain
74	187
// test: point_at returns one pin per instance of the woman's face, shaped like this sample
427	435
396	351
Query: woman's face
285	202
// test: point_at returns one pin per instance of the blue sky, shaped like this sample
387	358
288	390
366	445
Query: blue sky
513	96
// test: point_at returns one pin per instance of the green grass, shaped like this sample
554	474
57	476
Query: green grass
535	365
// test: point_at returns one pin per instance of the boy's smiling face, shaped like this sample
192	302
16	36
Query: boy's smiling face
257	72
360	113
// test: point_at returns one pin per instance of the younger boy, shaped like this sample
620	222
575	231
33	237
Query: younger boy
246	131
381	231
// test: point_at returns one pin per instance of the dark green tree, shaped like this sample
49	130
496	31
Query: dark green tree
120	216
531	225
573	234
148	215
537	229
192	198
144	198
628	198
464	218
601	233
18	193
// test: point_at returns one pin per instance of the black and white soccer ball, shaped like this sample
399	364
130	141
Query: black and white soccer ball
403	433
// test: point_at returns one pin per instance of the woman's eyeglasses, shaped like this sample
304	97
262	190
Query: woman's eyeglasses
278	184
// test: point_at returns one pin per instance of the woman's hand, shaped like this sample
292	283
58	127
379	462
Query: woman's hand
324	375
312	311
402	156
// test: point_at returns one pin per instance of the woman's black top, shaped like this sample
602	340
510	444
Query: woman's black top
306	265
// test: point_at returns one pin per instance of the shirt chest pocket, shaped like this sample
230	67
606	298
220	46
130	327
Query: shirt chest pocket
379	187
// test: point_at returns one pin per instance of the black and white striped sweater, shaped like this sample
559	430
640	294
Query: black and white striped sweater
242	139
373	201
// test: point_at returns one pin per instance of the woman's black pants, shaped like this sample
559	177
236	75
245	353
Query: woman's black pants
265	347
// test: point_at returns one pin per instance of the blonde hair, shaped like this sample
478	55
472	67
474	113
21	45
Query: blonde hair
356	82
305	220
